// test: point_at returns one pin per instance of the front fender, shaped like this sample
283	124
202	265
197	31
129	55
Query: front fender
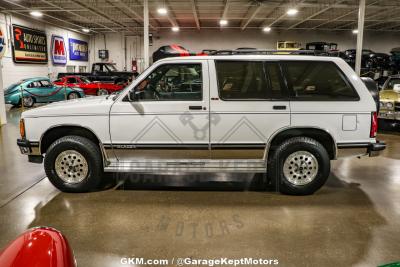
42	246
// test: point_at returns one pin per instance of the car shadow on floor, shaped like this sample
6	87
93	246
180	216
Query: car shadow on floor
337	223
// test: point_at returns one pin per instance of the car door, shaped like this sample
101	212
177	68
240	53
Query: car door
249	103
169	118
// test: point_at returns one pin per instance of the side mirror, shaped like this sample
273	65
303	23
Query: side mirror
132	95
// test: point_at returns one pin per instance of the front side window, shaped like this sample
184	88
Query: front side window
71	80
172	82
34	84
318	81
249	80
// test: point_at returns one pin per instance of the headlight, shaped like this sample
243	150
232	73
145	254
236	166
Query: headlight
389	105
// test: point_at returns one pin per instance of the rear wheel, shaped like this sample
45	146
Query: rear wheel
300	166
73	95
74	164
28	101
102	92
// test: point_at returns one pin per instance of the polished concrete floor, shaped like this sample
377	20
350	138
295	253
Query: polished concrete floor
354	220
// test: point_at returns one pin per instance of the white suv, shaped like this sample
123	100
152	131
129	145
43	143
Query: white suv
281	114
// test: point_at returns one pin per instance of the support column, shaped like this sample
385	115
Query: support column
360	35
3	116
146	33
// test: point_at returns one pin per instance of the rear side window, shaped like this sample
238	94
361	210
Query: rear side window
248	80
318	81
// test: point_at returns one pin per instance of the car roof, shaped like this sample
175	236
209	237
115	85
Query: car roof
255	57
36	79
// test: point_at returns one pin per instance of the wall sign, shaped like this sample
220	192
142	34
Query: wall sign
30	45
78	50
58	51
103	54
2	43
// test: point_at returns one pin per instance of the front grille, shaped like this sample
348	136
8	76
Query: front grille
397	106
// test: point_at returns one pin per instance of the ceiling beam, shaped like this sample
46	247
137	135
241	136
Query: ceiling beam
195	15
315	14
124	7
252	13
75	14
100	13
226	7
284	14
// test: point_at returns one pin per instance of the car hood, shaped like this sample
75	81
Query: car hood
389	95
95	105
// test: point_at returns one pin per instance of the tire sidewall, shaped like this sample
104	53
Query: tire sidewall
73	93
323	167
89	183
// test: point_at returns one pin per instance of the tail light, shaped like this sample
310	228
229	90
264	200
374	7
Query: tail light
374	125
22	128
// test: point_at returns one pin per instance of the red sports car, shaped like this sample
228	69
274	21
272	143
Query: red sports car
89	87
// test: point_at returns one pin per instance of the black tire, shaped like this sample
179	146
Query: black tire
286	149
28	101
101	92
91	153
73	95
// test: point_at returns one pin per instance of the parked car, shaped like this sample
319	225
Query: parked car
104	72
390	100
321	46
173	50
89	87
235	113
39	90
395	59
39	246
349	56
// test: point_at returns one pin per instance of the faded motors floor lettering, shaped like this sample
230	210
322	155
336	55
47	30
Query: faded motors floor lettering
197	230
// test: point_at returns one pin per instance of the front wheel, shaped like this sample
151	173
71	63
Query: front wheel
74	164
300	165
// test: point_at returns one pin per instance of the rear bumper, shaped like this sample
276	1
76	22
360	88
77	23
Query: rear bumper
360	149
374	149
31	149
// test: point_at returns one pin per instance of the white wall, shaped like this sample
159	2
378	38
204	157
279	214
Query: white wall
13	72
231	39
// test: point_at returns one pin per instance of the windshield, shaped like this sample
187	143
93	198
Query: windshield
394	82
85	80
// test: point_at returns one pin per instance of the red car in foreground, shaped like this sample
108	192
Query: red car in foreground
89	87
38	247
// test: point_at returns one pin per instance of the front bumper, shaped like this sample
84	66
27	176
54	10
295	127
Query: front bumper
389	115
31	149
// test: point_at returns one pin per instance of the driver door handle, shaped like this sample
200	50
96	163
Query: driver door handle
196	107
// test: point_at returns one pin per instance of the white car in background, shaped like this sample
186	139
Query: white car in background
285	115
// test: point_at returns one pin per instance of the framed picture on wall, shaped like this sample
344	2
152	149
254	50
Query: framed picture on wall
29	45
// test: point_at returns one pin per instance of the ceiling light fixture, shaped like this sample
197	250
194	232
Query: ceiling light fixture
355	31
86	30
223	22
175	29
37	14
292	11
162	11
266	29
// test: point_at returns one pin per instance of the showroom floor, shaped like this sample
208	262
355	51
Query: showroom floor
352	221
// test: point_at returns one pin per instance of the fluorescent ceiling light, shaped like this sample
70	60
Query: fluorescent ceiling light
292	11
266	29
355	31
85	30
223	22
162	11
175	29
37	14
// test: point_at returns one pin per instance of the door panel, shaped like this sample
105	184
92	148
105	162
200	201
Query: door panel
243	116
161	125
